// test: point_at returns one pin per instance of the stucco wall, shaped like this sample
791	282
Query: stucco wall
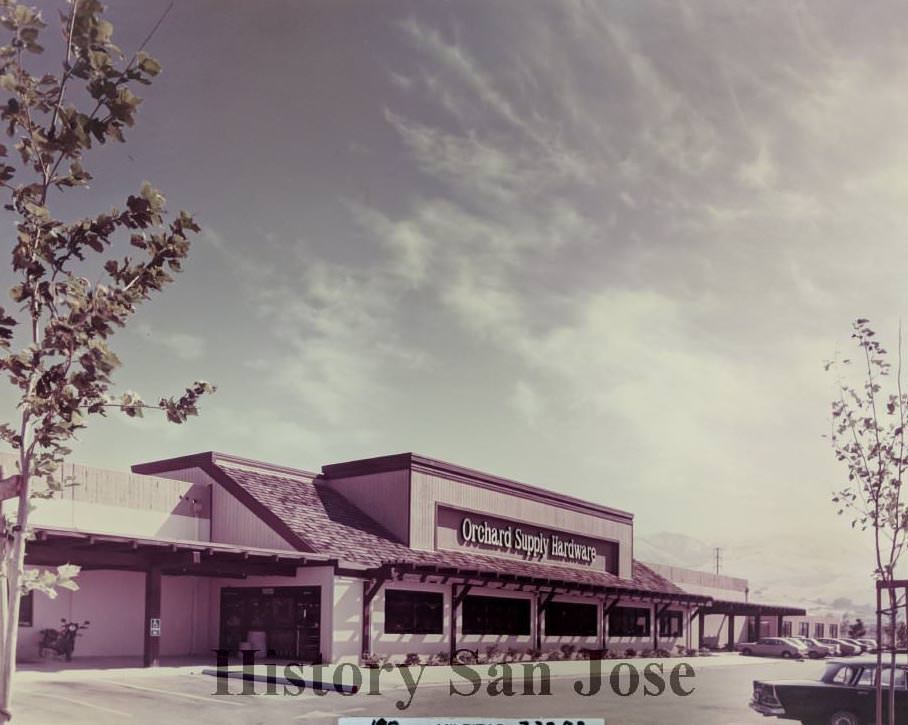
347	615
114	604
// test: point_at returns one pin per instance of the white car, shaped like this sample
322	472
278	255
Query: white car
774	647
815	649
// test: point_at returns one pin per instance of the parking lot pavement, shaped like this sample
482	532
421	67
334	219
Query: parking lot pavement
719	696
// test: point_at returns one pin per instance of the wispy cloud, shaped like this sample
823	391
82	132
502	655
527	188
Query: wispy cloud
180	344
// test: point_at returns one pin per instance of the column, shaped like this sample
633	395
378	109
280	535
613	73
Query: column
152	650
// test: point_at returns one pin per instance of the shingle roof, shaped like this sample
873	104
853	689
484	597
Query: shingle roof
330	524
321	517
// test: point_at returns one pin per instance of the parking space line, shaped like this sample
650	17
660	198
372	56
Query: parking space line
74	701
319	714
211	699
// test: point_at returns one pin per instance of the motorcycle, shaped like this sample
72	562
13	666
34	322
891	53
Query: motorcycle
61	641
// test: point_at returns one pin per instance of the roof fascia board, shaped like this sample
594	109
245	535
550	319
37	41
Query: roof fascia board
207	462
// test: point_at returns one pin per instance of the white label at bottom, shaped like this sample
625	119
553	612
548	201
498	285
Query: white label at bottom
470	721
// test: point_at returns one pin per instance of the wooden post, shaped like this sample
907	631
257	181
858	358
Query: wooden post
606	611
153	625
779	626
879	654
452	638
655	624
537	634
603	634
731	632
370	589
701	626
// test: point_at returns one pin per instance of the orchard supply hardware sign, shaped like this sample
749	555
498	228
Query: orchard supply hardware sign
530	545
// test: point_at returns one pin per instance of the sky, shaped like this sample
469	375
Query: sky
600	247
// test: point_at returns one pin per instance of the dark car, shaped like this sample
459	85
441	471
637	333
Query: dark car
844	695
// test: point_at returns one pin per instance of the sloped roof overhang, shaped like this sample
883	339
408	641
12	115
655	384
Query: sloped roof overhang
52	546
480	577
752	609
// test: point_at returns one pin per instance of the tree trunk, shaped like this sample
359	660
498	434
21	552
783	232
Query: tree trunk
4	596
14	562
894	615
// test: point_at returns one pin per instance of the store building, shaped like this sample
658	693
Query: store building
393	555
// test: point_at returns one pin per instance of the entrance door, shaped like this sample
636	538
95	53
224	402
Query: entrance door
288	617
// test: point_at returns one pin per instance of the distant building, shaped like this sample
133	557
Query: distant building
746	629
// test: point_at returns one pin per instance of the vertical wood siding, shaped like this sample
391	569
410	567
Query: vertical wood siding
383	496
95	499
231	521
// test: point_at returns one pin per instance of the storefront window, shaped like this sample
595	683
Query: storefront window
26	609
567	619
818	630
496	615
629	622
413	612
670	624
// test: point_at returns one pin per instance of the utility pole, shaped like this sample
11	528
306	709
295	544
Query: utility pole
718	558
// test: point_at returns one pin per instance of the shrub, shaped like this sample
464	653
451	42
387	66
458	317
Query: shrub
568	651
412	659
534	654
512	655
493	654
373	660
630	652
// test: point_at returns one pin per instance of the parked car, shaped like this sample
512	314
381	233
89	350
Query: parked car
845	649
845	694
856	643
815	649
774	647
870	644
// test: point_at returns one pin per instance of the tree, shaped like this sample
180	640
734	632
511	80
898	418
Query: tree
76	281
857	630
868	437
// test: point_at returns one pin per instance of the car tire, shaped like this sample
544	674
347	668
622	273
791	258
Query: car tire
745	651
843	717
786	655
